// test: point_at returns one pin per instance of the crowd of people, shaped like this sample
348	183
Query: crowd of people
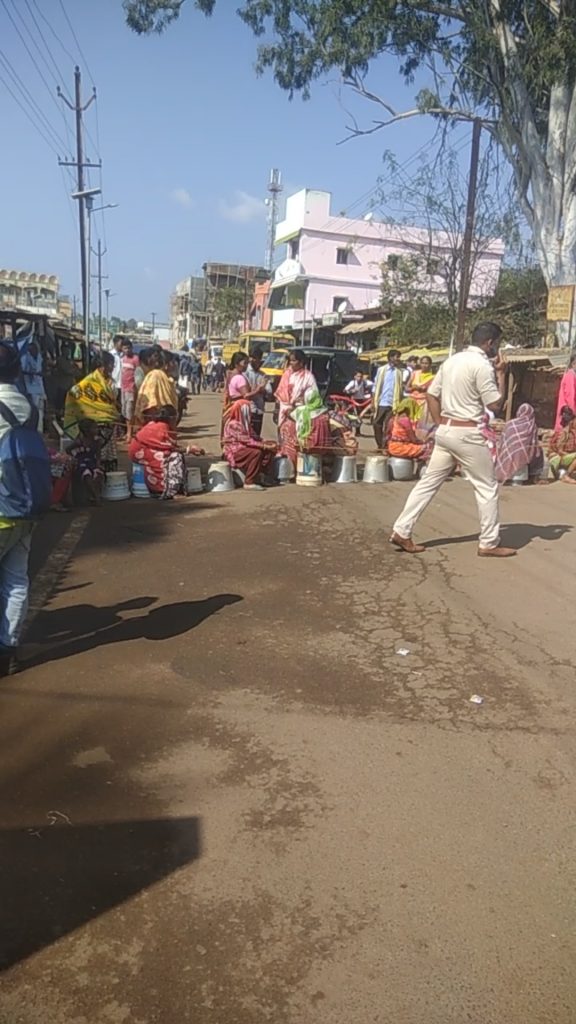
445	420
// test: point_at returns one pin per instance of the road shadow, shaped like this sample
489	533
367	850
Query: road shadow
514	535
86	627
58	877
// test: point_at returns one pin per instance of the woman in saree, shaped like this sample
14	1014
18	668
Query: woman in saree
94	398
517	445
567	393
155	448
417	387
303	420
562	448
157	390
243	450
402	440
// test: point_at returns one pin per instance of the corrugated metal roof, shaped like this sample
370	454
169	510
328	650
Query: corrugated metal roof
364	326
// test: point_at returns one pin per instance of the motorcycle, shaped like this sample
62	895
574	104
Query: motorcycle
356	412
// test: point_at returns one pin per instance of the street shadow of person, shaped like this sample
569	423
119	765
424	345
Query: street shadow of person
513	535
66	628
56	878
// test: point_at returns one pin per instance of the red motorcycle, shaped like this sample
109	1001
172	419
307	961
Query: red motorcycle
356	412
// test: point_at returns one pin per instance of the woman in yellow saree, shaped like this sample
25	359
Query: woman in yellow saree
92	398
157	390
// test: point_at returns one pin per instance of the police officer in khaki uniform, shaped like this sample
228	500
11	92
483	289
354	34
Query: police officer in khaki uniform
466	385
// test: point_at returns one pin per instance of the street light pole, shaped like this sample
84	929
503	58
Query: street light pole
153	325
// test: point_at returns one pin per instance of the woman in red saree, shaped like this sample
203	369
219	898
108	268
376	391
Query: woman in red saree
156	449
303	420
242	449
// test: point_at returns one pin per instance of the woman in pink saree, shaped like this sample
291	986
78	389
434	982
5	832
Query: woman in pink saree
567	393
303	420
243	450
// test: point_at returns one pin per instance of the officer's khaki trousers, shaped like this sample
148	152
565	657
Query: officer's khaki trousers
467	447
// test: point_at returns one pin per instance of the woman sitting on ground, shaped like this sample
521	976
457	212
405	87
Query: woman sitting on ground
155	448
94	398
303	420
243	450
157	390
87	453
402	440
562	447
517	445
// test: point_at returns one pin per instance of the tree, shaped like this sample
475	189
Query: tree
511	62
228	309
435	199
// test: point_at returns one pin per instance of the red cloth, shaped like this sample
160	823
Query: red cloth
152	447
566	395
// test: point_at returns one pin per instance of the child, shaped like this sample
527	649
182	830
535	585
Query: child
87	449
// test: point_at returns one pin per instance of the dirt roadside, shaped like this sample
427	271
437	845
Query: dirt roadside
227	798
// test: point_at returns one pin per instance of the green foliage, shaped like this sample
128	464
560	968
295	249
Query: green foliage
518	305
144	16
229	306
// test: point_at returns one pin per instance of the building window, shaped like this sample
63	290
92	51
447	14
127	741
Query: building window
294	248
338	301
432	266
342	256
393	262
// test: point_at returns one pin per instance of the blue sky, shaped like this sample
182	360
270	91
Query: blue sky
187	134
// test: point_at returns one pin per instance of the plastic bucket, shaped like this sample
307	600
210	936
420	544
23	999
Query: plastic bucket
138	487
309	470
116	486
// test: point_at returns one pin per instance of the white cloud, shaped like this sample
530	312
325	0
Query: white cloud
244	209
182	197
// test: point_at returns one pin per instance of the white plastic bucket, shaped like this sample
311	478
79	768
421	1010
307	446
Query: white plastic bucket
194	483
344	470
520	477
309	470
375	469
116	486
220	477
401	469
138	487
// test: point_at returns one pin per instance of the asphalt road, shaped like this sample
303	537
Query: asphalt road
227	798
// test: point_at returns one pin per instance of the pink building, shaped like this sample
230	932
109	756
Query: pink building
333	264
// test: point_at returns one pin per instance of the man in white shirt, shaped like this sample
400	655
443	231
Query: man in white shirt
463	388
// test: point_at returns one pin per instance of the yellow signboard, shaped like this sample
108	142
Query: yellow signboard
560	302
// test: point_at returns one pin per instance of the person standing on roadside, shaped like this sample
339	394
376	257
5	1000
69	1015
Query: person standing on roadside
388	388
130	363
25	490
32	370
116	351
258	386
465	386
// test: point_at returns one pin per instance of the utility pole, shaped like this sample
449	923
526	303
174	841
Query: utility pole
80	164
100	253
465	261
153	324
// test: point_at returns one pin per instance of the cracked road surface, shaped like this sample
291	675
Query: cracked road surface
227	799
